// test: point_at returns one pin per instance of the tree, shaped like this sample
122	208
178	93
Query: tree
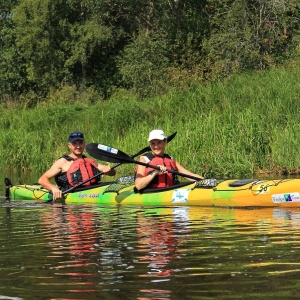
168	38
11	82
66	42
247	34
146	45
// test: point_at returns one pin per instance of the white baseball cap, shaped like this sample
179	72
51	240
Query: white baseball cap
156	134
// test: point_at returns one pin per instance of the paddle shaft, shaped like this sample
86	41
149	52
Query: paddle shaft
158	168
89	179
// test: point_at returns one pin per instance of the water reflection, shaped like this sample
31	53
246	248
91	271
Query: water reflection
82	252
108	244
159	239
90	242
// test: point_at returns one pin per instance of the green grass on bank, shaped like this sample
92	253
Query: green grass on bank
235	128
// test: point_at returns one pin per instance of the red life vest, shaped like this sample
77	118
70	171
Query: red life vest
82	169
161	180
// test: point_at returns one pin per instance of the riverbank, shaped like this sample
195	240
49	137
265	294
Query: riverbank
248	124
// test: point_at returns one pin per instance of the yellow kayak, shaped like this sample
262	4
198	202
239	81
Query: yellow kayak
206	193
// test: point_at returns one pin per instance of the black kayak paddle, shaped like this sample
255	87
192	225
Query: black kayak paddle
107	153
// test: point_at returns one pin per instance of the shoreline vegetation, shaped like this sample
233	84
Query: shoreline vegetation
247	124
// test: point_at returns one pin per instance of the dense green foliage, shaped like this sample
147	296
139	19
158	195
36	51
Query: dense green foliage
247	124
147	47
116	69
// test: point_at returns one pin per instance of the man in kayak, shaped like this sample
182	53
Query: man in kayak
149	177
73	169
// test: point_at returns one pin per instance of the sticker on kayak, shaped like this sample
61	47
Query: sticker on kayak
107	149
283	198
180	196
82	196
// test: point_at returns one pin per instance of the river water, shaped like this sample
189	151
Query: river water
56	251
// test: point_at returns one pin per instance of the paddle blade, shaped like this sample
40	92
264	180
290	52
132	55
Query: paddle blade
170	138
107	153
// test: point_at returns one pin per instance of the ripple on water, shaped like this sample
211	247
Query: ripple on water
134	252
